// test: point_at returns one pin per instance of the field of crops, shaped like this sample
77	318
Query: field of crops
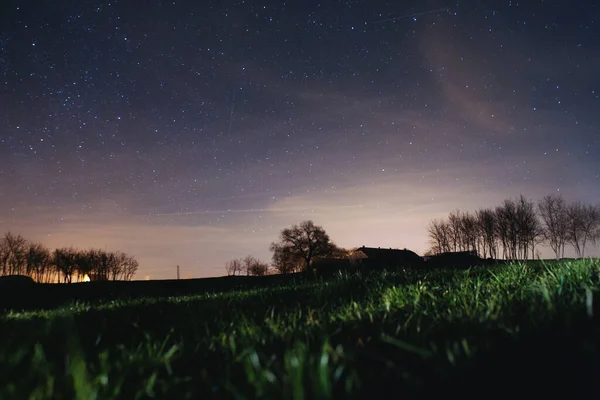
522	329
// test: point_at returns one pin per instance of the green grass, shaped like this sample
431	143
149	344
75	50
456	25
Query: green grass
511	329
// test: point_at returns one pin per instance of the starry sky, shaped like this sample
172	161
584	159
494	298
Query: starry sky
192	132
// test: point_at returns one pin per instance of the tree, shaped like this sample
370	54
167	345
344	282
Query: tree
305	241
13	254
130	267
528	227
455	230
582	222
84	261
436	233
248	263
102	264
553	211
233	267
486	226
506	229
285	262
258	268
66	263
468	227
39	263
340	253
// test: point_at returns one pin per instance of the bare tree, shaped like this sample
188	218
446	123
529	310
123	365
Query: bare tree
102	264
582	222
528	227
574	214
117	264
553	211
233	267
455	230
468	227
65	262
504	216
84	262
39	262
285	262
13	254
486	222
250	265
258	268
130	267
247	264
305	241
436	236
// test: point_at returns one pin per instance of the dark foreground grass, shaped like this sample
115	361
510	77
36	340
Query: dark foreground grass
517	330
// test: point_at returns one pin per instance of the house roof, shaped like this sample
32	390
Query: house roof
389	254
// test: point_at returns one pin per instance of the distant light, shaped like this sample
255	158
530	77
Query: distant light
86	278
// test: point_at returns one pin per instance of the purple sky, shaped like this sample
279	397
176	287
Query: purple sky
191	133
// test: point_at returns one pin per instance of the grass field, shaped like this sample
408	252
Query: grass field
522	329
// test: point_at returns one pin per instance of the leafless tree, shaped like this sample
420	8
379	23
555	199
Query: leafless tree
130	267
84	262
504	214
436	236
66	263
486	223
39	263
582	222
117	265
553	211
233	267
102	265
285	262
528	227
248	263
305	241
468	227
13	254
455	230
258	268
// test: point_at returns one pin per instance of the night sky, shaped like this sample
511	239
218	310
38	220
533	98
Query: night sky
192	132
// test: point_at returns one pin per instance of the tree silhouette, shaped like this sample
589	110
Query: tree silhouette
39	263
439	236
305	241
486	227
13	254
250	265
66	263
233	267
285	262
553	211
582	222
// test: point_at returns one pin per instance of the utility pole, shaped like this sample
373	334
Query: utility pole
178	272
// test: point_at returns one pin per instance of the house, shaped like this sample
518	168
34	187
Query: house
332	264
385	258
457	259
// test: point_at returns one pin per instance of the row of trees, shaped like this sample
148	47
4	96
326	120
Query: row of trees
515	228
247	266
18	256
297	249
